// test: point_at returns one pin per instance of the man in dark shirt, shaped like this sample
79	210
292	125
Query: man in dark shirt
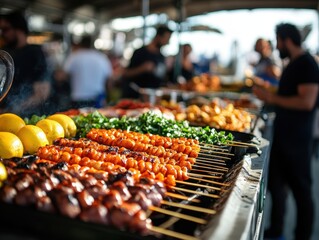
290	158
147	67
30	87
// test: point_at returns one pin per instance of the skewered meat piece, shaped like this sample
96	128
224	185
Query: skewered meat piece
123	177
141	199
8	193
23	181
45	184
140	223
122	215
97	191
66	203
113	198
38	192
45	204
122	189
88	180
25	197
150	192
96	213
85	199
61	166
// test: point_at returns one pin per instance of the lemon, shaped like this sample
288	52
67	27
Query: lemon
66	122
32	137
3	173
10	122
51	128
10	146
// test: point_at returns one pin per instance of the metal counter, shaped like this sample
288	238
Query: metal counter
242	217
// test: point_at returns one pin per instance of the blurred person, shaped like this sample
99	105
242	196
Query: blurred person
290	157
89	71
31	85
186	65
147	68
266	68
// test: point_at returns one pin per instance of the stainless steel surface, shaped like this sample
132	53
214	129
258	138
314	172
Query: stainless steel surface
242	217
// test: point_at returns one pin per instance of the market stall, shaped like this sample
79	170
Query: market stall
169	167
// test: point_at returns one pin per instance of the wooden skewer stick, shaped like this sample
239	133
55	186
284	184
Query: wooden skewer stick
242	143
201	175
196	192
213	156
221	153
207	171
237	145
182	197
178	215
211	159
209	181
212	146
172	233
210	168
214	161
220	175
189	207
198	185
211	165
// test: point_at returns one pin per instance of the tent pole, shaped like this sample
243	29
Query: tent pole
145	13
180	8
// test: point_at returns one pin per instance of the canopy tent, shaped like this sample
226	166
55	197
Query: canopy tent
56	10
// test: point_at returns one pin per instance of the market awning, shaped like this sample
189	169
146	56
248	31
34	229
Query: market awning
109	9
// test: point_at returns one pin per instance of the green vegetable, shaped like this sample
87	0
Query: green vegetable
34	119
150	123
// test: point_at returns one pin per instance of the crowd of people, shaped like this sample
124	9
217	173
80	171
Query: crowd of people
87	77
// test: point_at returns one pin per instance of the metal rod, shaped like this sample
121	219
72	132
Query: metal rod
145	13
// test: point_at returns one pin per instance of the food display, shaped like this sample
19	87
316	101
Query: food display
119	172
202	83
228	117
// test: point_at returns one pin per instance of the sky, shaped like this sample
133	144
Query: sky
245	26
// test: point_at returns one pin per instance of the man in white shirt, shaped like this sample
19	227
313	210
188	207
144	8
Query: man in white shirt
89	71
